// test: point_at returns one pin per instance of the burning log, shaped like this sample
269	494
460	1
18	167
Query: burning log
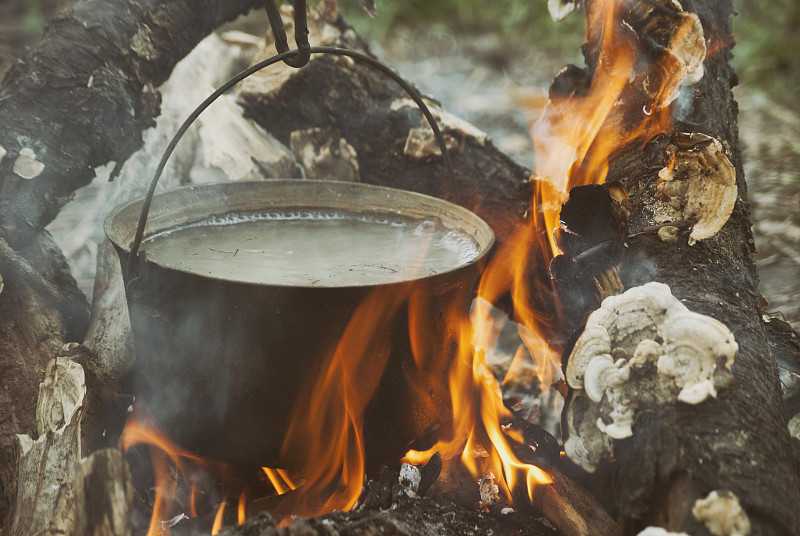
671	455
564	501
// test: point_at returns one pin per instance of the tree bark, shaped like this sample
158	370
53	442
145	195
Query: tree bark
737	442
101	59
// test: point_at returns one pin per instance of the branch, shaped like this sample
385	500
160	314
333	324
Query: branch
83	96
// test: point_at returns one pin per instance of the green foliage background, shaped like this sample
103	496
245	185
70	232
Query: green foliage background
767	53
766	56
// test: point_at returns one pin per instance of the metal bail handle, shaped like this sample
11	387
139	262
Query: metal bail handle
295	58
300	31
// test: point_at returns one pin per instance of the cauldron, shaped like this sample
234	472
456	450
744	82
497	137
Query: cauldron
220	362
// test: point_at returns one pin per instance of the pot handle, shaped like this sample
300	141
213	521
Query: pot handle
132	266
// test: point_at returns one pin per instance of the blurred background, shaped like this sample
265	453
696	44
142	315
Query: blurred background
491	62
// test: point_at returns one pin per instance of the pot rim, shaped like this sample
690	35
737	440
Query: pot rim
170	209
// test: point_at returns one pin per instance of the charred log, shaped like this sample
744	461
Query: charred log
403	515
737	442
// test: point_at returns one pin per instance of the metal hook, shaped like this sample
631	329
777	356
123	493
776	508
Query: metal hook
300	32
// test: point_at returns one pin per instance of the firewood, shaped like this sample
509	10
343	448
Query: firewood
382	129
103	495
47	470
676	453
570	507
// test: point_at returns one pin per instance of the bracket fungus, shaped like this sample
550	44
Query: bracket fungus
687	47
722	514
26	165
698	184
659	531
640	349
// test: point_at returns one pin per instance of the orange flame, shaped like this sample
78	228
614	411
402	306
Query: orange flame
240	511
217	526
140	428
324	441
574	140
280	480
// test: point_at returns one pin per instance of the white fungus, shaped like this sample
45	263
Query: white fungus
641	349
722	514
26	165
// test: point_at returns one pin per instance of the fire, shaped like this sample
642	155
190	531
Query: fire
280	480
141	428
217	526
480	435
626	100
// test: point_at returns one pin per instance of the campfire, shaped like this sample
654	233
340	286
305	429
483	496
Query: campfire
269	402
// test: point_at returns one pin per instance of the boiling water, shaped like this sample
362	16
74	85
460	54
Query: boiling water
303	248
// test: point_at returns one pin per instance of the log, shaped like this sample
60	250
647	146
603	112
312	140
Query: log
45	497
680	452
100	59
104	495
570	507
564	502
56	492
32	332
365	111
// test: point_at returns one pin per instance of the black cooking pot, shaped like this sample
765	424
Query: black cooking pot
221	362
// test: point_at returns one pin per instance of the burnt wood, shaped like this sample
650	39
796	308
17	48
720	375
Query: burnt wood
739	441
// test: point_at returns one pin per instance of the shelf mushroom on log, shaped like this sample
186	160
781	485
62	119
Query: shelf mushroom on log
687	227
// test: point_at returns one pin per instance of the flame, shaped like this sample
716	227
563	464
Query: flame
333	467
240	510
141	428
479	436
626	100
218	519
280	480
